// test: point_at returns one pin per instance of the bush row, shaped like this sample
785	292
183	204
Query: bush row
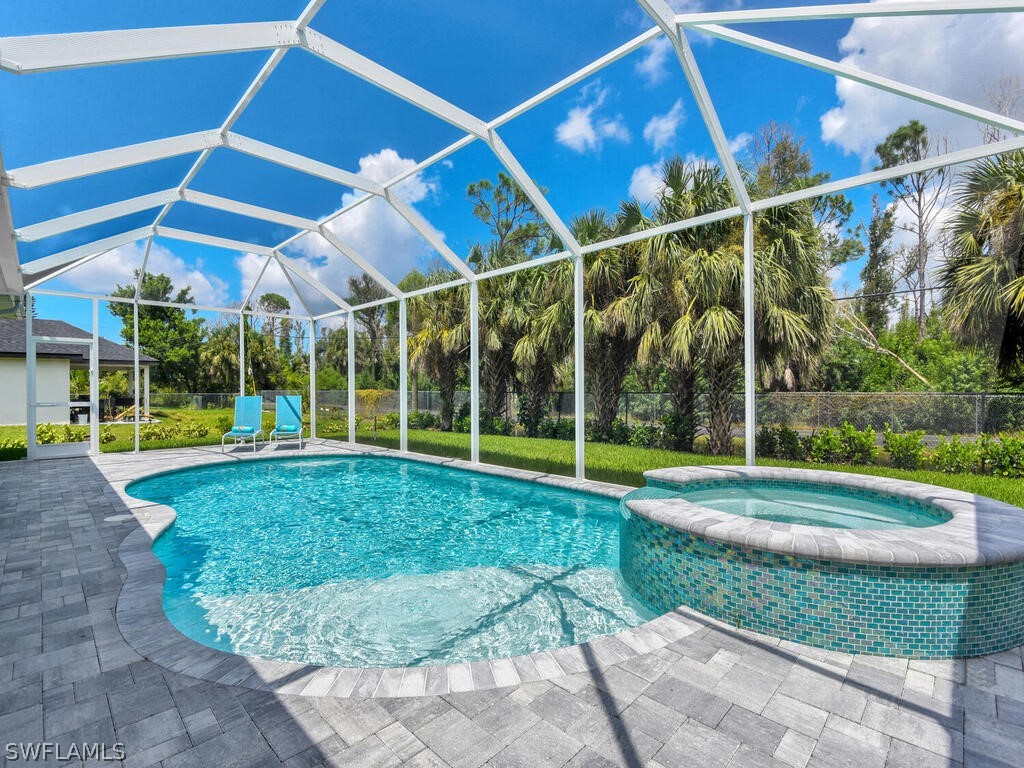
1000	455
172	431
49	434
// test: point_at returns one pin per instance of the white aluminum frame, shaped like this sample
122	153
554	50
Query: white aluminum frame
41	53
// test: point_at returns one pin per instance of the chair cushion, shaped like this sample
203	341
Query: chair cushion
243	430
288	427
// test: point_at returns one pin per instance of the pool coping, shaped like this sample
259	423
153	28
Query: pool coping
145	627
981	532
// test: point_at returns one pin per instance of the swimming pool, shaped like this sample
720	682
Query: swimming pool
376	561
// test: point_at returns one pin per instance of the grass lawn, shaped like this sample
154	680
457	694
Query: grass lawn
626	465
610	463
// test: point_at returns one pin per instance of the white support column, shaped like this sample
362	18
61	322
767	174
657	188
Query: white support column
749	401
312	378
94	381
474	372
403	374
30	379
241	354
664	16
135	370
351	377
579	346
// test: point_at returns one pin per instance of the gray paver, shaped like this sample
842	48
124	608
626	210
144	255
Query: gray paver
716	696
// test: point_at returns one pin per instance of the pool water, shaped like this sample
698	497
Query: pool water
373	561
809	503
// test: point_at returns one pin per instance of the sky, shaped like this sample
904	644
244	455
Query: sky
589	147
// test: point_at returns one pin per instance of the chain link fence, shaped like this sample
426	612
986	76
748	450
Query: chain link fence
937	413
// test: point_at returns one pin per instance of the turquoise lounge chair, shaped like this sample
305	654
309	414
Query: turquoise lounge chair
288	422
248	421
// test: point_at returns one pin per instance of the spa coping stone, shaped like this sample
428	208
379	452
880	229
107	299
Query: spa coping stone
980	531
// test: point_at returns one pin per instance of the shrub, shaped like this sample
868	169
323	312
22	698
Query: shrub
905	450
195	429
107	435
422	420
13	443
460	424
47	434
644	435
149	432
846	445
826	447
766	443
790	446
679	432
779	442
388	421
618	434
955	455
497	426
565	429
858	445
1003	456
332	427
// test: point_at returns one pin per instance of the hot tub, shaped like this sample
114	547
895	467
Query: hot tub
888	567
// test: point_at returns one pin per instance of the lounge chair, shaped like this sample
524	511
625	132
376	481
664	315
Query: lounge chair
288	422
248	421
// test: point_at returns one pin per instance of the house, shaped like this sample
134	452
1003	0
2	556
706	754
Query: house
54	363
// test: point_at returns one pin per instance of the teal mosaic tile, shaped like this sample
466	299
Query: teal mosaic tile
920	612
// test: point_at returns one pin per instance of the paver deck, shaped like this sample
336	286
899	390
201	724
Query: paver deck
717	696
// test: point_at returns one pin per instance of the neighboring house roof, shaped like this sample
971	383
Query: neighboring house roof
12	343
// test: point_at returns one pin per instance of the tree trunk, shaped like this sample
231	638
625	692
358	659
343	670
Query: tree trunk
682	427
721	380
922	273
535	401
494	377
447	380
607	366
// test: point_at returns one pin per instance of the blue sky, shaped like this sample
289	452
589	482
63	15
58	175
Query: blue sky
590	147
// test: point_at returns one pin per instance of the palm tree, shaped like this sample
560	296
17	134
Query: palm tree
983	281
659	295
219	357
610	348
686	302
439	347
503	321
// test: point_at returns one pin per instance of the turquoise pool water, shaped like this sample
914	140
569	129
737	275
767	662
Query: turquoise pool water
808	503
371	561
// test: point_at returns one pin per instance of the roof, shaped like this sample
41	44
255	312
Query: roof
334	139
12	343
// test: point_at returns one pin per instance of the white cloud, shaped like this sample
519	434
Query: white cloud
740	141
118	267
661	130
645	184
373	229
955	56
273	280
585	129
653	67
